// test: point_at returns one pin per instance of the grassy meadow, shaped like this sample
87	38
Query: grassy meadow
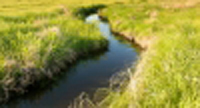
36	35
168	72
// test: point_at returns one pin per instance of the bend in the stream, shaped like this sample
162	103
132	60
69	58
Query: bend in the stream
87	76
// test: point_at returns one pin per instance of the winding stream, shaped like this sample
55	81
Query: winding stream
86	76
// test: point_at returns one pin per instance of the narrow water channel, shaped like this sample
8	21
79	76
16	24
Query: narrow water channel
86	76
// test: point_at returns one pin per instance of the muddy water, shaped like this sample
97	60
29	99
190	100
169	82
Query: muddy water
86	76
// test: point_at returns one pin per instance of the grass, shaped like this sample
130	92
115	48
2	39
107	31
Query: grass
167	75
36	34
35	43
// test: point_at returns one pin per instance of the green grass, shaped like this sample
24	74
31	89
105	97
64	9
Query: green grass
167	74
38	34
24	40
35	41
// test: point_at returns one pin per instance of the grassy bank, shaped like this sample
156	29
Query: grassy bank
39	38
168	73
41	34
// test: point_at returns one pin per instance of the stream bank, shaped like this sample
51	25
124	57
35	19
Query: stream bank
86	76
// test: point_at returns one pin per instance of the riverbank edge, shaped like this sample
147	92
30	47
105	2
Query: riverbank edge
133	91
143	44
14	85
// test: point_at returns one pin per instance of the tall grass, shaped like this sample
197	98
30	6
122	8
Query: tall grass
34	43
167	75
38	34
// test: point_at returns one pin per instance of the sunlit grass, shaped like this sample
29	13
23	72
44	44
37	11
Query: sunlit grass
40	36
167	75
29	40
37	34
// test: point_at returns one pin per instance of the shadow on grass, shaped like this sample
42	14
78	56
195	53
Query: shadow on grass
83	12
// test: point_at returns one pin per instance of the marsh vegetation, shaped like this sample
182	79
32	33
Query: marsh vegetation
37	37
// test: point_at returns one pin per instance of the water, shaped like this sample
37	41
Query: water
86	76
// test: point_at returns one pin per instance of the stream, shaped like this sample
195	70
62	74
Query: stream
86	76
